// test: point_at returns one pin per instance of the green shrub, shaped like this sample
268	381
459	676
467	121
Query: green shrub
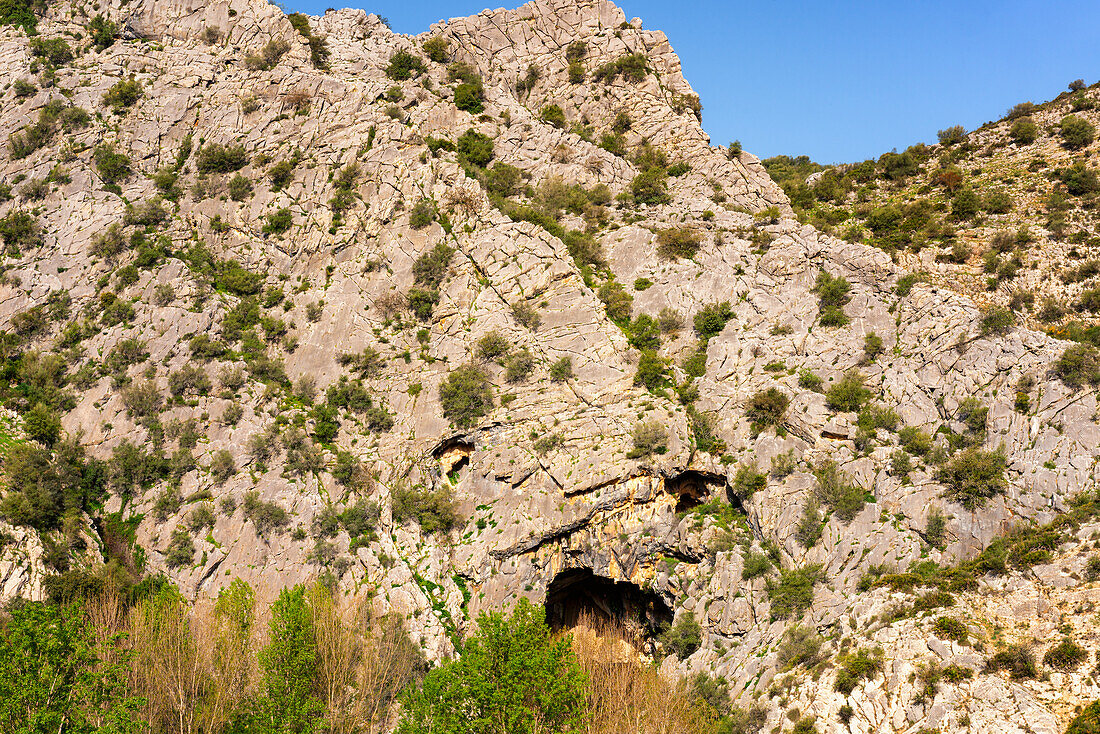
503	180
998	202
1078	365
431	268
711	319
1077	132
54	51
858	666
996	320
767	408
950	628
649	438
632	67
683	638
1079	179
873	346
848	394
265	516
755	565
102	32
616	300
423	214
800	646
20	231
793	593
281	174
678	242
217	158
1024	131
466	395
112	167
124	93
832	294
952	135
404	65
422	302
181	549
269	56
650	187
652	371
470	97
20	13
526	315
552	114
493	346
561	370
837	492
576	72
1017	659
436	49
965	203
278	221
1066	655
747	481
240	188
475	148
519	366
973	476
434	510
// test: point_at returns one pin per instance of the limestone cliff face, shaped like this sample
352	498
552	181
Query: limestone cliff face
551	492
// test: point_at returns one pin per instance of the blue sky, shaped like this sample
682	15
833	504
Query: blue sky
844	81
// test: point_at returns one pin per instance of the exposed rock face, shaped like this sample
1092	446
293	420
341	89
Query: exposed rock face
549	480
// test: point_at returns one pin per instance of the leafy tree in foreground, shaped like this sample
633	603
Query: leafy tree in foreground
513	677
52	678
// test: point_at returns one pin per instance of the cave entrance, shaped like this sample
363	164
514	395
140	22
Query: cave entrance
579	597
693	487
453	454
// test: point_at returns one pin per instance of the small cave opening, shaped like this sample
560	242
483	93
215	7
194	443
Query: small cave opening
453	454
693	487
578	597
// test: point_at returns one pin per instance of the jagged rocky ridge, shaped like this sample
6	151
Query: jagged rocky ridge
554	500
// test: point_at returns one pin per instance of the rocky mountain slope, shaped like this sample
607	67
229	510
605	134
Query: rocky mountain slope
453	319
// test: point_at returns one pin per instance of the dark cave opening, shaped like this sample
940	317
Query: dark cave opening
693	487
577	596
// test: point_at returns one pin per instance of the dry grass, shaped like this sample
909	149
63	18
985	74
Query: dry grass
626	693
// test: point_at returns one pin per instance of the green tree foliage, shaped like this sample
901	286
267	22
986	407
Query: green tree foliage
217	158
287	703
1086	722
436	49
55	677
711	319
848	394
46	486
466	395
123	94
404	65
793	593
974	476
513	676
1024	131
833	295
21	13
678	242
433	509
684	637
1079	365
1077	132
475	148
767	408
